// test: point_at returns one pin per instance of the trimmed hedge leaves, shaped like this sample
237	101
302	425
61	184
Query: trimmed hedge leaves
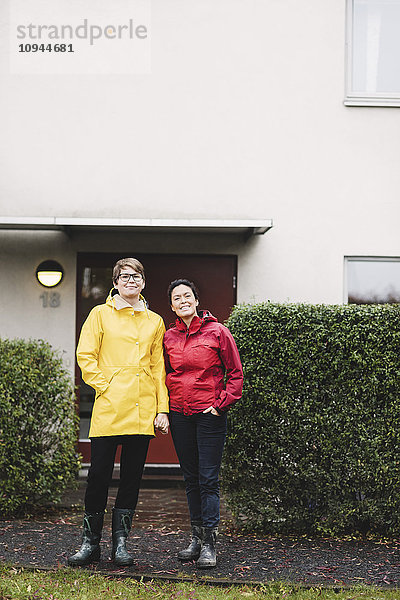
314	444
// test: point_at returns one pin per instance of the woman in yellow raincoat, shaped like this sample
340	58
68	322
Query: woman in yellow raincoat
120	354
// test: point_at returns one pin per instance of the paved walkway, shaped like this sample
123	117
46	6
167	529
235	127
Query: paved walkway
161	528
158	507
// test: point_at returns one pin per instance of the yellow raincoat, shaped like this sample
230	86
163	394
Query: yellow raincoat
120	354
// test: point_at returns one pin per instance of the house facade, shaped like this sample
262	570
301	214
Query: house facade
253	147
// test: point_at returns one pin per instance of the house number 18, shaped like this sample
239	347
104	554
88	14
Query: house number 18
50	299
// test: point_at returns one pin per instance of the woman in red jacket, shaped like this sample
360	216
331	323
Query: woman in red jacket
200	354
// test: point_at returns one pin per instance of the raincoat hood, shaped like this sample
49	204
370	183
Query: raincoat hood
198	321
117	302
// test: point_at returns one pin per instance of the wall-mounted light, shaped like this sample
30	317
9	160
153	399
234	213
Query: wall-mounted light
49	273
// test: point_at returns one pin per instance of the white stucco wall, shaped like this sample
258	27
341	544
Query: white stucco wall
242	116
23	314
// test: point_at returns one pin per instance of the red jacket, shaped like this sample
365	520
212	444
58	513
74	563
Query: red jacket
196	361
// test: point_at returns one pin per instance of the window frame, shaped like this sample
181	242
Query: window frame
378	99
365	258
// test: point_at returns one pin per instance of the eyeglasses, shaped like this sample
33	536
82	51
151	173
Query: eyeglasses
125	277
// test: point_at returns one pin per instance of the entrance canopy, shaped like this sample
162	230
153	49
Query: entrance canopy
246	227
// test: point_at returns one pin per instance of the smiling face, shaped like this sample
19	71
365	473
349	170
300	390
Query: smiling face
129	284
183	303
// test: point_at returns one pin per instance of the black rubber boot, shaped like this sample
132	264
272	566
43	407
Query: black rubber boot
121	526
208	555
90	549
192	552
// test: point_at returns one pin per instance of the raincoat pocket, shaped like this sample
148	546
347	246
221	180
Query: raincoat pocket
148	372
204	355
110	378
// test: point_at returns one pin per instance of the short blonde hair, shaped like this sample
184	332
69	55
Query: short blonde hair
127	262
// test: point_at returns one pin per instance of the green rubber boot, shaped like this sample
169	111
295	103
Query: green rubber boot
90	549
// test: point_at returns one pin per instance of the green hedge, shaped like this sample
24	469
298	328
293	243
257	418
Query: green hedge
38	426
314	444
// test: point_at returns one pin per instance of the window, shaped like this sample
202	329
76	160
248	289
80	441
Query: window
372	280
373	53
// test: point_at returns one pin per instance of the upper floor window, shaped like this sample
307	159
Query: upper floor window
372	280
373	53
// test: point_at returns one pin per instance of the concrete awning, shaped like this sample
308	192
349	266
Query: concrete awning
245	226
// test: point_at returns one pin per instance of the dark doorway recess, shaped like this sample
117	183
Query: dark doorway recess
214	277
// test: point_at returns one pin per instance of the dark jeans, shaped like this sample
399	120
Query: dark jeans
133	456
199	442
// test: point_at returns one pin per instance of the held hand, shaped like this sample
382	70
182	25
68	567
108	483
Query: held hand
161	423
212	410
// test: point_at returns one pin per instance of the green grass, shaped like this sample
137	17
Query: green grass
70	584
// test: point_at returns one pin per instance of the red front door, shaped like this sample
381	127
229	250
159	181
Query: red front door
214	277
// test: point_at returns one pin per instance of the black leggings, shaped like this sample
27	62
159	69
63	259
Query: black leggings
133	456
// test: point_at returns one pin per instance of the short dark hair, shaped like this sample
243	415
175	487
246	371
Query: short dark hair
186	282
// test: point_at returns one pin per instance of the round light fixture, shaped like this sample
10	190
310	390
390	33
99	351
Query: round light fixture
49	273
